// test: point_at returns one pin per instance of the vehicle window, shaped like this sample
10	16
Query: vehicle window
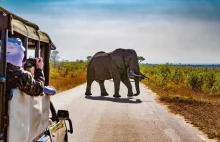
30	54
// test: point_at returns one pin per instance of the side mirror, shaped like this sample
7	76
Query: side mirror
63	115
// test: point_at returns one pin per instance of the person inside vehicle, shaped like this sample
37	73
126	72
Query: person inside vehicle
17	77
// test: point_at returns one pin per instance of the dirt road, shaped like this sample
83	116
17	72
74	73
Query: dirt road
108	119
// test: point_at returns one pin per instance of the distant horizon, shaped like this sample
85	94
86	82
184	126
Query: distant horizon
157	62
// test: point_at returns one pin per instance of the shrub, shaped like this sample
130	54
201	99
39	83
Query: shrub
177	76
165	72
211	79
196	80
206	80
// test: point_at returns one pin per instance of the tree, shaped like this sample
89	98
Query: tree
55	57
65	67
89	58
140	59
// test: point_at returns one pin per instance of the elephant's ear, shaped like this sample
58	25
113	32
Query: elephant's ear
126	58
118	58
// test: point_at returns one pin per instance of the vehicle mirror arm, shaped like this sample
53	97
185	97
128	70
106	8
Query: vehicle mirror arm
71	126
48	133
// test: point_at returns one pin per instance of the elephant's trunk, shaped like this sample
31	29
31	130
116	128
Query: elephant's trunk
137	78
134	70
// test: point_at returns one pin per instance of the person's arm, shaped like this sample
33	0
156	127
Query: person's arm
33	86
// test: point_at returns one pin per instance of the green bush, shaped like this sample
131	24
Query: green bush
165	72
211	79
196	80
67	69
54	74
206	80
177	76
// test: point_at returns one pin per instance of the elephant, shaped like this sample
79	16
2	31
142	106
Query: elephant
115	65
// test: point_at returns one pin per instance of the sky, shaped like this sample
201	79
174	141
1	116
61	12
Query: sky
174	31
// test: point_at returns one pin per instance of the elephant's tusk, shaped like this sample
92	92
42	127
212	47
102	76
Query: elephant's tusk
132	72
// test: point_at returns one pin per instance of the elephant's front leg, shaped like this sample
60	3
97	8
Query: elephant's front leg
117	81
102	88
127	83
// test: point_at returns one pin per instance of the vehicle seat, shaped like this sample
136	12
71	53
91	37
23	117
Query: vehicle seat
28	116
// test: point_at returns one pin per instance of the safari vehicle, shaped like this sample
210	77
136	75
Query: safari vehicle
25	118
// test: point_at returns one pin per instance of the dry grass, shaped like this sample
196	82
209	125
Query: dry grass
62	84
202	110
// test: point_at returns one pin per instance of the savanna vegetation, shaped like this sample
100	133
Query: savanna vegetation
189	91
66	74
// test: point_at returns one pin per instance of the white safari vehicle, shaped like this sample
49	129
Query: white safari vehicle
24	118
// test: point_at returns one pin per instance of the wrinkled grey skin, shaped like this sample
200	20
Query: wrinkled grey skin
104	66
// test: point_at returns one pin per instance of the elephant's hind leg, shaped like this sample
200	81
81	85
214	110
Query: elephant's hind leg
102	88
88	87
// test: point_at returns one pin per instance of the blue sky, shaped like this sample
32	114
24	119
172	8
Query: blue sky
176	31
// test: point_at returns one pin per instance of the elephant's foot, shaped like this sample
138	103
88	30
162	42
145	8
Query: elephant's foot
104	94
130	95
88	94
136	94
116	95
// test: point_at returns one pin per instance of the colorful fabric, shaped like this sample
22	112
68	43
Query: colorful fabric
50	90
15	52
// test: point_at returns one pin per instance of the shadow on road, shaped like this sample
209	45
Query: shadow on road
118	100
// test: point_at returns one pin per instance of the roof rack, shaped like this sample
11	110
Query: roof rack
15	23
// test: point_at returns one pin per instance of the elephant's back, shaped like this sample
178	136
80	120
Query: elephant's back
101	66
100	53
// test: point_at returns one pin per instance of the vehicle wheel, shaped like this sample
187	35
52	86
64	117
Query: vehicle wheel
66	137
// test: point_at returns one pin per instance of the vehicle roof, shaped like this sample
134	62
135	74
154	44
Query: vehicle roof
13	22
